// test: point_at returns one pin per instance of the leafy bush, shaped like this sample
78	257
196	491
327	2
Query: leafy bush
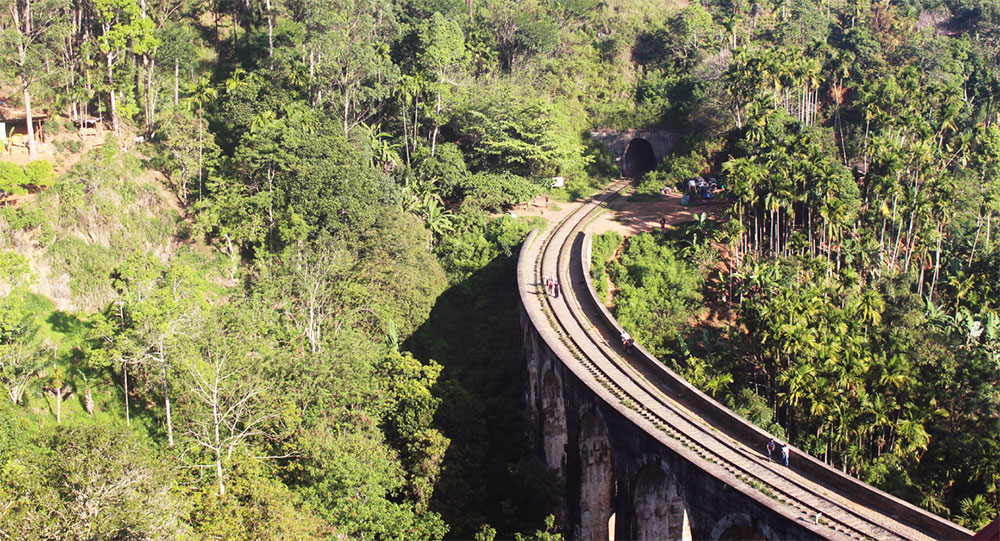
603	247
658	292
498	191
12	178
25	218
40	172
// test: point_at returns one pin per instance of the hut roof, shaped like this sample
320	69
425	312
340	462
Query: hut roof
10	113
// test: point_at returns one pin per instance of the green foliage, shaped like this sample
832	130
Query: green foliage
602	249
658	292
857	145
12	179
89	481
478	240
550	533
255	505
40	172
529	137
976	512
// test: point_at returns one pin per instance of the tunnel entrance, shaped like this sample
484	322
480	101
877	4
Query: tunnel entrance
639	158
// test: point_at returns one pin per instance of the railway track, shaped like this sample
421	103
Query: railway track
825	512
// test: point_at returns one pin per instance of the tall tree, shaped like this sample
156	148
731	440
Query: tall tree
31	29
125	30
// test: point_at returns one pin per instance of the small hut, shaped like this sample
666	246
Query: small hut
14	124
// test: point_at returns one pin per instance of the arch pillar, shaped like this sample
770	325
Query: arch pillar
554	433
660	512
531	381
597	481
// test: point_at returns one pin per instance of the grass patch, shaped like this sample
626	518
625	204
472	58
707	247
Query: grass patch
62	329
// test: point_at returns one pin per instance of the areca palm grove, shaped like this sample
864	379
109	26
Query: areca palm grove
858	144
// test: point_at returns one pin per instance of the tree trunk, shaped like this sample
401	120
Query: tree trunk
406	144
979	229
166	402
177	67
236	26
201	149
436	124
128	418
31	123
270	35
346	110
111	94
59	393
150	66
937	262
88	402
25	31
218	473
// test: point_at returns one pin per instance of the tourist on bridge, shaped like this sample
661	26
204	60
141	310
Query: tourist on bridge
627	341
555	288
770	449
784	453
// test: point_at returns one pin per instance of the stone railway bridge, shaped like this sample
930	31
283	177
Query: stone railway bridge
644	455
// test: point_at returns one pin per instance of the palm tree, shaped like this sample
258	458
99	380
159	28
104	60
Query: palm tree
700	226
438	219
201	92
870	308
718	384
976	513
57	383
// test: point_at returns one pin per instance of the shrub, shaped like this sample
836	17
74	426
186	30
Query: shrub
12	178
603	247
40	172
25	218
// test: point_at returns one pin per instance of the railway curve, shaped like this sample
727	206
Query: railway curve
579	330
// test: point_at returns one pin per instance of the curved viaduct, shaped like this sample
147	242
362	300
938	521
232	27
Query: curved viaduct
644	455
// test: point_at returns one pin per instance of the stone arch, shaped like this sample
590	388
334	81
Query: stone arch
660	512
740	526
596	479
554	435
639	158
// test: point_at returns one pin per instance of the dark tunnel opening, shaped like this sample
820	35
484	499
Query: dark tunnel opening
639	158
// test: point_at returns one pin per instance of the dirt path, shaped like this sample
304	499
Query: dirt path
632	217
627	217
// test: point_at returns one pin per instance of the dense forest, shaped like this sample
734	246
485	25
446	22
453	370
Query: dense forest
259	281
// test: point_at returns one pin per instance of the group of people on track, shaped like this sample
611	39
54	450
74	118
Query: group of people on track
770	449
552	287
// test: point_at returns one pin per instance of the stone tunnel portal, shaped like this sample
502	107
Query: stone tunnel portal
639	158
